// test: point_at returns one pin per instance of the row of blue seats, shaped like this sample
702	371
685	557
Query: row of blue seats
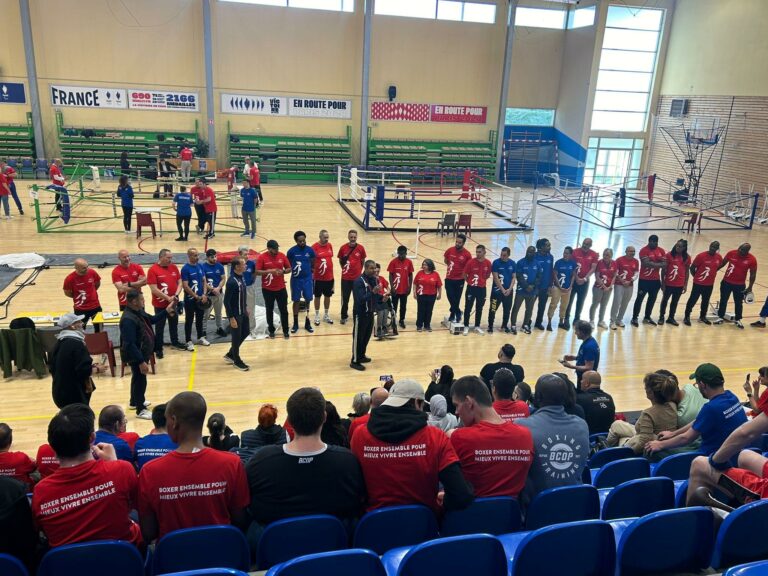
681	540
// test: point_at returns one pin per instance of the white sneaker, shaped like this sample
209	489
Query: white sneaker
466	330
327	319
602	324
203	342
144	415
190	346
9	217
620	324
718	321
317	318
128	232
479	330
613	325
739	324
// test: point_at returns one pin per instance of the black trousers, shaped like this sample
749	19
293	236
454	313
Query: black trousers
210	217
138	387
173	328
453	291
400	300
651	289
127	212
424	306
362	328
201	216
506	304
542	296
281	297
89	315
238	335
698	290
579	294
182	225
346	292
671	295
528	298
475	296
726	290
192	314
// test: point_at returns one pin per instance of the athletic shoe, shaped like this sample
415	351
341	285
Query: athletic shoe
190	346
253	235
343	321
567	324
718	321
635	323
179	346
429	328
21	212
271	335
739	324
364	360
286	336
418	328
526	328
687	320
327	319
561	325
240	365
602	324
513	330
661	320
479	331
490	330
159	355
128	232
220	332
228	359
539	327
549	326
147	404
612	325
356	366
620	324
317	318
757	324
466	331
203	342
179	239
211	235
144	415
506	329
458	317
308	326
673	322
649	321
294	329
245	234
401	323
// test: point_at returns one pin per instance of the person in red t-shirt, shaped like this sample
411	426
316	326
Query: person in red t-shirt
495	454
476	274
186	155
193	485
504	385
627	267
351	258
14	464
674	280
586	264
734	282
205	197
198	195
127	276
92	494
46	461
164	281
755	398
5	190
401	278
82	286
322	274
704	271
10	174
427	289
403	459
58	182
254	179
272	265
456	258
652	261
605	274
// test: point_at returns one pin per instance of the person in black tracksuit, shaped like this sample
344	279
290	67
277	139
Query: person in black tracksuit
364	290
237	312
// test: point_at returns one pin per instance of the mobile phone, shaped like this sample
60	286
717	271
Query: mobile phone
749	377
385	377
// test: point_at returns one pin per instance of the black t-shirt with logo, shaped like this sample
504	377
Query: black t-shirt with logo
599	409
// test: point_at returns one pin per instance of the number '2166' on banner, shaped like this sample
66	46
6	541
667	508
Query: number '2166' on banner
139	99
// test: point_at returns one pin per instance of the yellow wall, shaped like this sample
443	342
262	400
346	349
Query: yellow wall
718	47
13	68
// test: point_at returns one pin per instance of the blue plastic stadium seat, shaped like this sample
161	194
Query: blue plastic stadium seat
639	497
394	527
209	572
293	537
475	554
563	504
353	562
676	467
752	569
12	566
667	541
584	548
681	494
122	558
741	537
620	471
764	443
607	455
492	515
201	547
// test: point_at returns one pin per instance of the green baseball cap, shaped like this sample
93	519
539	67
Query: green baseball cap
709	374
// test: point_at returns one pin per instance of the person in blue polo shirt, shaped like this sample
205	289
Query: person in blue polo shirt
196	303
528	273
302	259
111	423
215	277
157	443
562	284
546	262
250	201
716	420
125	192
503	271
182	204
588	356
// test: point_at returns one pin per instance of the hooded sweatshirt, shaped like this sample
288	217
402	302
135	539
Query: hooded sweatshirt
258	437
438	414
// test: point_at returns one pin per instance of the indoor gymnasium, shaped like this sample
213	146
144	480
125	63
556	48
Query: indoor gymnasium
367	287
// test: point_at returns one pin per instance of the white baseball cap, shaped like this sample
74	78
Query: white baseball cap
68	319
402	391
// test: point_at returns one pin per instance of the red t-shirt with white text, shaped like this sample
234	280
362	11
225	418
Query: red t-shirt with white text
188	489
477	272
323	269
90	501
606	271
427	283
125	275
83	288
706	268
17	465
405	473
46	460
626	268
737	267
164	279
655	255
353	267
511	409
674	275
400	269
585	259
457	261
266	261
495	458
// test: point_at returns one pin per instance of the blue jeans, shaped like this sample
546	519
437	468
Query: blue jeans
6	208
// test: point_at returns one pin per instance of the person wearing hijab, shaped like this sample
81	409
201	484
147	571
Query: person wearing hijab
438	416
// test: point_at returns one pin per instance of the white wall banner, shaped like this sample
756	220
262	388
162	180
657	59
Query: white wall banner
319	108
252	104
89	97
142	99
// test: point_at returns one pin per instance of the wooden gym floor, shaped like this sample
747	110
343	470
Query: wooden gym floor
321	359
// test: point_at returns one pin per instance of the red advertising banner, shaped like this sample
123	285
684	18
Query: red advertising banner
400	111
458	114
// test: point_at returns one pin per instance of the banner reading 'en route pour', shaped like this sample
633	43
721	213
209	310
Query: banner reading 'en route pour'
458	114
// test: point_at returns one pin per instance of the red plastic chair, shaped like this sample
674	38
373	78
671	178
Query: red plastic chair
144	219
693	221
465	222
99	343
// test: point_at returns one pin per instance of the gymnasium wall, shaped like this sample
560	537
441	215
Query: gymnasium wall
13	68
